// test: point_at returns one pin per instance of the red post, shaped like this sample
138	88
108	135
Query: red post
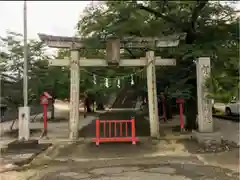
126	128
109	130
45	117
115	129
97	131
104	128
180	102
181	116
133	132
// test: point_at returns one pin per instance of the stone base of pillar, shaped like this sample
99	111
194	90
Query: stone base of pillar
23	123
73	136
207	139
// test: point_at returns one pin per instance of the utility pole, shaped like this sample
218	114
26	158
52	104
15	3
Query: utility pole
25	71
24	112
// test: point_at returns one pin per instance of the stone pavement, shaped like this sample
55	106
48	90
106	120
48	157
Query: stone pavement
164	159
157	168
152	172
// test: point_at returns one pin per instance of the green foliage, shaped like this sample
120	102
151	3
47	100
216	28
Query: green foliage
41	76
211	30
211	27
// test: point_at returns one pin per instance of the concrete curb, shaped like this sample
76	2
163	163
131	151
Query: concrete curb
219	136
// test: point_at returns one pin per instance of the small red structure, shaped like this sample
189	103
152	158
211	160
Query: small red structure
180	101
117	134
44	101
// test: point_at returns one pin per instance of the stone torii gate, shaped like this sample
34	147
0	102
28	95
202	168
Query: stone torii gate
113	46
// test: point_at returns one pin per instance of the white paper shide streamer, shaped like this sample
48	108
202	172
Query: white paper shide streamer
118	83
94	79
106	83
132	81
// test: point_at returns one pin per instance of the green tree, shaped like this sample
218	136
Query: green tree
211	30
42	77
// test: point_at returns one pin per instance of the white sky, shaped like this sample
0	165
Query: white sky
50	17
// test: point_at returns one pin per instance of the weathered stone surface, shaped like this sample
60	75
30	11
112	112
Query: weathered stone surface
112	170
74	175
207	138
205	121
144	176
164	170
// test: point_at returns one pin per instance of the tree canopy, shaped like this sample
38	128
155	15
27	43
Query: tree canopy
211	30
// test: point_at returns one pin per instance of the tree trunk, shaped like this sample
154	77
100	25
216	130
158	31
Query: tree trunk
191	104
191	115
191	111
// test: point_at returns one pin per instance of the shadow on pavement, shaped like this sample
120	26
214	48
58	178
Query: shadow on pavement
89	150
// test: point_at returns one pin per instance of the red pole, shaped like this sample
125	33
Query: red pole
97	131
133	132
104	128
181	115
121	129
109	130
45	117
126	128
115	129
180	102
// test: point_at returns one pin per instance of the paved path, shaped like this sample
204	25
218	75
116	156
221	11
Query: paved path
159	168
168	167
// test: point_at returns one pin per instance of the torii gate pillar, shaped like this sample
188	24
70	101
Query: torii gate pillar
74	95
152	95
206	135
